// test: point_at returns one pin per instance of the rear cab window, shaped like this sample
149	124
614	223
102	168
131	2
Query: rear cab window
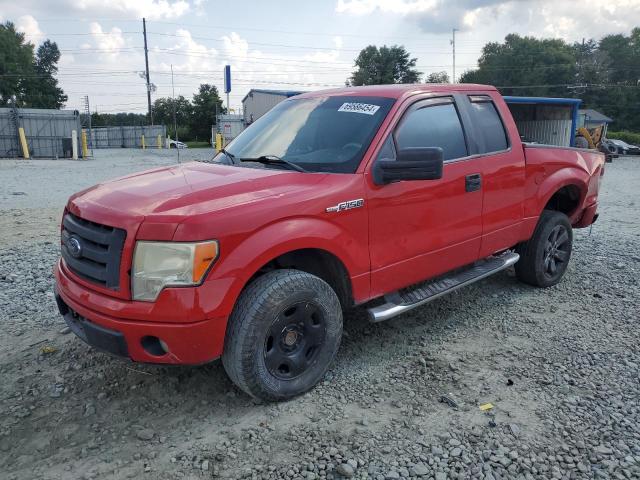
492	136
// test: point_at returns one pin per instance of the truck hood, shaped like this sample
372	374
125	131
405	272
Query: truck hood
191	189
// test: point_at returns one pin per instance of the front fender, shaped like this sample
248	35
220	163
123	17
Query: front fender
238	263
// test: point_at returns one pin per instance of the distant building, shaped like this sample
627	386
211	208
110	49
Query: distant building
590	118
229	126
258	102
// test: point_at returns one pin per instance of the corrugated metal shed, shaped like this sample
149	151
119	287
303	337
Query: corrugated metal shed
48	132
550	121
229	126
259	101
591	118
128	136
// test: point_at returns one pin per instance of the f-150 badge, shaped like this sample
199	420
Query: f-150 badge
348	205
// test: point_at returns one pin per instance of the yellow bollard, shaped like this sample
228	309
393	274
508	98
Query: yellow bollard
144	147
219	144
159	143
85	148
23	143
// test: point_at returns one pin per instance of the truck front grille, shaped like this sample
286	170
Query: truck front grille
92	251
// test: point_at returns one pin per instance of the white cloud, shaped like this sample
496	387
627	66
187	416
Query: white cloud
29	26
151	9
235	45
366	7
110	42
536	17
101	9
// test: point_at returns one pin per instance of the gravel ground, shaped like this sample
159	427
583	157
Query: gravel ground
560	367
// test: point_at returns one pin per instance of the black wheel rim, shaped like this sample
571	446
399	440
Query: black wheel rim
294	340
556	251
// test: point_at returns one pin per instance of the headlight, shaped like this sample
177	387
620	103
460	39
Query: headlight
162	264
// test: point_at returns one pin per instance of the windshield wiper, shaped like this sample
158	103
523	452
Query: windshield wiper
274	159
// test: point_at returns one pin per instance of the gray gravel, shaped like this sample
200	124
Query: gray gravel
560	367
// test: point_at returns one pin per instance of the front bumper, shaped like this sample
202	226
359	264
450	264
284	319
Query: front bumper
86	315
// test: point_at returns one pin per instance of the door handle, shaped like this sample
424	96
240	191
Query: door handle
473	182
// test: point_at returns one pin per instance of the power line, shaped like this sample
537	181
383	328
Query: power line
283	45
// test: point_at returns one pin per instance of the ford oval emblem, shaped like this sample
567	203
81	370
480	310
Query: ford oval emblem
74	247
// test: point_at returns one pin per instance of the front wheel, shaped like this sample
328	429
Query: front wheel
282	335
545	256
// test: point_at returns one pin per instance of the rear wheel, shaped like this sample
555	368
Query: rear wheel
282	335
544	258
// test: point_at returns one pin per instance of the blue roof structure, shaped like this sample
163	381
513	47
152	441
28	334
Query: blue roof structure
574	103
543	100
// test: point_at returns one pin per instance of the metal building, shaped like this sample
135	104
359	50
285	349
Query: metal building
229	126
258	102
48	132
590	118
128	137
549	121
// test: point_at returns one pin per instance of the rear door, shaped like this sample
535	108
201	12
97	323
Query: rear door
422	228
502	161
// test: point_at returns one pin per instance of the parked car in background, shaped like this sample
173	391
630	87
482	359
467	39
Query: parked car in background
621	147
176	144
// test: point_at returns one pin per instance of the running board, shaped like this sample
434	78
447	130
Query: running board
409	298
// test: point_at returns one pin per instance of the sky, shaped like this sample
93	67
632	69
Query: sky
280	44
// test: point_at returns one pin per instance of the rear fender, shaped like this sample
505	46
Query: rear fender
552	183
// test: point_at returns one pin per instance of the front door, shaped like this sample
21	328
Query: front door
423	228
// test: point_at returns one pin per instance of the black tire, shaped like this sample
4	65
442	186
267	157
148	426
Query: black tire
282	335
545	256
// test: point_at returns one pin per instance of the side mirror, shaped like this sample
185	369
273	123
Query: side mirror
415	163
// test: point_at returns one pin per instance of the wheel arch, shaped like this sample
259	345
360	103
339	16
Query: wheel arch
315	246
316	261
565	199
563	191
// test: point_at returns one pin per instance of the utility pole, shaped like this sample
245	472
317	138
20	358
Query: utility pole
453	44
173	96
146	64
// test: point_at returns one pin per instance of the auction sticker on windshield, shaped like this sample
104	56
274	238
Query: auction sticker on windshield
365	108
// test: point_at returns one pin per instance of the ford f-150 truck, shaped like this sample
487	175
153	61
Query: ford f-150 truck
389	196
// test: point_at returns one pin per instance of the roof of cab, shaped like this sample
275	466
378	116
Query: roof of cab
397	90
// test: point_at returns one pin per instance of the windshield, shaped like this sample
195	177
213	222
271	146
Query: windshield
323	134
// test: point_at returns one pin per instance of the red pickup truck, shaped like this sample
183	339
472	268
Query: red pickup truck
385	195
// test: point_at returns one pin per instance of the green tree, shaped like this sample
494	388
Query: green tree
615	87
384	65
43	90
163	114
123	119
438	77
206	103
16	64
25	77
526	66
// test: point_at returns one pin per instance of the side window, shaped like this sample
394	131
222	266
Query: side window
433	126
489	124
